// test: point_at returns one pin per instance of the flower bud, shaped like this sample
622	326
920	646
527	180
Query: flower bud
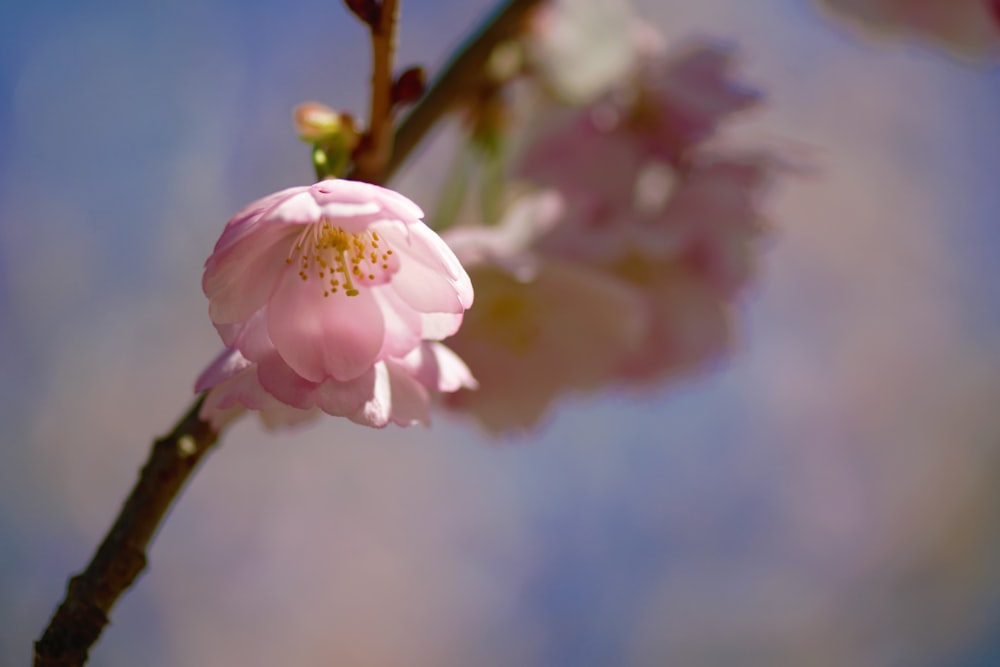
317	123
409	86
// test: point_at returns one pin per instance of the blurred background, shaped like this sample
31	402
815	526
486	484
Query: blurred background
829	496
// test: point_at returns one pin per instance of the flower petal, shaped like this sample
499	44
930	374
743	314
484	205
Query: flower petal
344	399
337	336
238	280
403	325
351	198
377	410
284	384
410	400
437	367
225	366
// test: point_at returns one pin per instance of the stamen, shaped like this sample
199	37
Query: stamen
341	259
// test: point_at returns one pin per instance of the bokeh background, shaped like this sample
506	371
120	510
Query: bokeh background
829	496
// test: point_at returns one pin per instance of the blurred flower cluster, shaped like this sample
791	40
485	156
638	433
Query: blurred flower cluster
608	231
630	227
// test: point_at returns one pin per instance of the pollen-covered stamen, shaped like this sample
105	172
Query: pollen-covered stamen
342	261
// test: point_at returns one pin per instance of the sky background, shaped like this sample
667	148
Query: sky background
828	496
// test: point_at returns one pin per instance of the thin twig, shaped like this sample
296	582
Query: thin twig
461	75
90	595
377	145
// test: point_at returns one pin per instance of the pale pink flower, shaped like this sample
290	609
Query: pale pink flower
596	157
713	218
541	328
327	290
687	257
967	27
688	319
681	100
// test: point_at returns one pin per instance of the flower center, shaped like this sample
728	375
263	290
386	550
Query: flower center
342	261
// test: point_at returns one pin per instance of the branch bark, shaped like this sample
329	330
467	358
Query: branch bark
121	557
376	147
460	76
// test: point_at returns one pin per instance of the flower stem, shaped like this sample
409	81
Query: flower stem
90	595
460	77
377	145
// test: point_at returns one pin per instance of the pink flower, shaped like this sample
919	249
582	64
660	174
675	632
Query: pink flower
596	157
968	27
541	328
686	255
683	99
688	319
326	291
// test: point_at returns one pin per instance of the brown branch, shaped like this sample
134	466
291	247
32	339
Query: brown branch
462	75
90	595
376	146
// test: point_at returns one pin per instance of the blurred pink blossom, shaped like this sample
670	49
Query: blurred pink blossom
583	48
328	292
682	99
598	155
540	327
691	259
967	27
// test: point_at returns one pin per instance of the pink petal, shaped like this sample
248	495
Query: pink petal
410	401
336	195
430	278
249	337
319	337
377	410
299	209
225	366
344	399
437	367
437	326
246	221
284	384
239	280
403	325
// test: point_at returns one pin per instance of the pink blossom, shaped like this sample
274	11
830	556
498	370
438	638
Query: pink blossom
540	328
688	319
326	292
967	27
687	255
596	157
682	100
713	218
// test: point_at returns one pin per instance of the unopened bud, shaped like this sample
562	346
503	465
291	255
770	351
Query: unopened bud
409	86
318	123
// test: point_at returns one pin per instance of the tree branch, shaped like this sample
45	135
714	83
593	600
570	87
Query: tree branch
90	595
376	146
460	76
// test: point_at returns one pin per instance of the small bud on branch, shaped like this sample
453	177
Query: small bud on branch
409	86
